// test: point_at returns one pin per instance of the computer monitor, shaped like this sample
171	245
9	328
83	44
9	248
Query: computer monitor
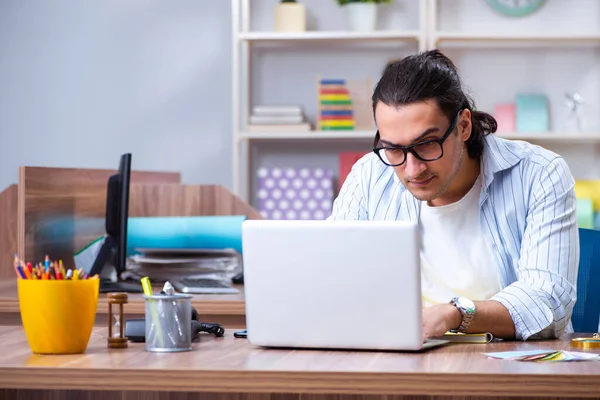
114	247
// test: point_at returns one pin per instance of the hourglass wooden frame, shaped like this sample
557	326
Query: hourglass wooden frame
113	341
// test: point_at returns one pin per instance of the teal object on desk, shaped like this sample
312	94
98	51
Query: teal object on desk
206	232
532	113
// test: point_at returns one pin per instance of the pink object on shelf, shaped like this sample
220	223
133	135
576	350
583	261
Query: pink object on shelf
505	115
346	161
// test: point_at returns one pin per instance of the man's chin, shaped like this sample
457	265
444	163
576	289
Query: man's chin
423	195
426	192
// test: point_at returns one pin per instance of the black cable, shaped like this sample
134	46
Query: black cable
208	327
213	328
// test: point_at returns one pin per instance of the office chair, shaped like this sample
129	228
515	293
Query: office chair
586	313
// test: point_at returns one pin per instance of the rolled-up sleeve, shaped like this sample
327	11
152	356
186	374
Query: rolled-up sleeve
541	301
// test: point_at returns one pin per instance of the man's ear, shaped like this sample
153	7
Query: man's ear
465	125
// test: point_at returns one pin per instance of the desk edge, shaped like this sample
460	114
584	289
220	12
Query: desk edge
317	382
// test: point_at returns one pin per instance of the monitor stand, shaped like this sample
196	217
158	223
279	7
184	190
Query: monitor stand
101	265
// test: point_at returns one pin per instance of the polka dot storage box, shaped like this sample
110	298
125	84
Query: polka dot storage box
295	193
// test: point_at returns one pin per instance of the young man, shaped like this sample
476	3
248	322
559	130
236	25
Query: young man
499	235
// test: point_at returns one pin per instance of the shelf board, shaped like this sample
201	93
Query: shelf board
543	39
329	35
309	135
369	134
574	137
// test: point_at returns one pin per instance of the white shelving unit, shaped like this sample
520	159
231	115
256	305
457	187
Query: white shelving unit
428	35
349	135
329	35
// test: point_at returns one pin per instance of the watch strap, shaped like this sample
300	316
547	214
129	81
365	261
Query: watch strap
467	315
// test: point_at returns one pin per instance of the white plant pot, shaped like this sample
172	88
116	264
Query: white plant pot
290	17
362	16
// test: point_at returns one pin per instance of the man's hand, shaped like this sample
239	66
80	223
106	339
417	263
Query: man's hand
439	319
490	316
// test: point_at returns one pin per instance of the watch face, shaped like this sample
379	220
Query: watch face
467	304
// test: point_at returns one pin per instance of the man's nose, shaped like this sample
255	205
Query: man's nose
414	166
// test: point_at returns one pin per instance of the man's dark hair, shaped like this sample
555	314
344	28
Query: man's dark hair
432	76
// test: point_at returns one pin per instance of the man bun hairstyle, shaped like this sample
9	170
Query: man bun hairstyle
431	75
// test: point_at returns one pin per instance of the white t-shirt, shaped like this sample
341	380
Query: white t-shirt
456	260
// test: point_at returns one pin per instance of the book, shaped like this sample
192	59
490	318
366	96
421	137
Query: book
304	127
481	338
276	110
276	119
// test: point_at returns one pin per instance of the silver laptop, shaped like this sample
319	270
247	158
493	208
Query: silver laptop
333	284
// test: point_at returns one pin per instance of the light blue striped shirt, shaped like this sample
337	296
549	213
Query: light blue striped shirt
528	213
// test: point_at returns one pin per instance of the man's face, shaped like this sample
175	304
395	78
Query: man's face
417	123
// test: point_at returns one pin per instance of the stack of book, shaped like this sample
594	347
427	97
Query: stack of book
335	105
162	265
278	119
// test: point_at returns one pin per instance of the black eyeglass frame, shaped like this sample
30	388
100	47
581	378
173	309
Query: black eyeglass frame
410	148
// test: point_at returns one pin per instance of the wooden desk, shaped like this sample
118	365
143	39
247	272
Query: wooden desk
226	309
234	369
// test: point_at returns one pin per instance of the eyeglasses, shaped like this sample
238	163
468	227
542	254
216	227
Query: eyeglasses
429	150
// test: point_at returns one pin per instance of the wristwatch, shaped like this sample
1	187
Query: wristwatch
467	309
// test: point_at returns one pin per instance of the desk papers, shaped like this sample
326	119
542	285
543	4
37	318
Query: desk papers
544	356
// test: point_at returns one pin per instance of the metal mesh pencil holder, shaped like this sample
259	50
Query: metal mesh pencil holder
168	323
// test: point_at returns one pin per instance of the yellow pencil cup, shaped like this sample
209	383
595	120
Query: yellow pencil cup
58	315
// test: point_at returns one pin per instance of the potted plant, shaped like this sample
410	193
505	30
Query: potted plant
362	14
290	16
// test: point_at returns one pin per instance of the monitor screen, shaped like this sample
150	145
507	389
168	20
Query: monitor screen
122	211
117	213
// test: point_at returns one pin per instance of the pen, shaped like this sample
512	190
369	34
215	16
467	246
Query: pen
146	287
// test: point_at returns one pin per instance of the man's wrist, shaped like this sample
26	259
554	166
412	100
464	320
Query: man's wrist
454	318
466	309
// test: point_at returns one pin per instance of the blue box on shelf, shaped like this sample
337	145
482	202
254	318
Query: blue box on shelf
532	113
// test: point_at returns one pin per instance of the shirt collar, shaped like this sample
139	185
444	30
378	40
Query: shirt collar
498	155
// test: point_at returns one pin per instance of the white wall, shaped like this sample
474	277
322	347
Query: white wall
82	82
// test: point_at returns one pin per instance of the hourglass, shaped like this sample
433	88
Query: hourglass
116	320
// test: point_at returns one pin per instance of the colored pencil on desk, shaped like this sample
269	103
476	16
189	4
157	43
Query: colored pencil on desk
62	269
20	272
48	270
57	273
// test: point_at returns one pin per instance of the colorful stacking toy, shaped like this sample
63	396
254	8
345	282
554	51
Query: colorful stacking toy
335	105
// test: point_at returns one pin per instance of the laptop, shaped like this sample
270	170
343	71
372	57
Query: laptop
333	285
